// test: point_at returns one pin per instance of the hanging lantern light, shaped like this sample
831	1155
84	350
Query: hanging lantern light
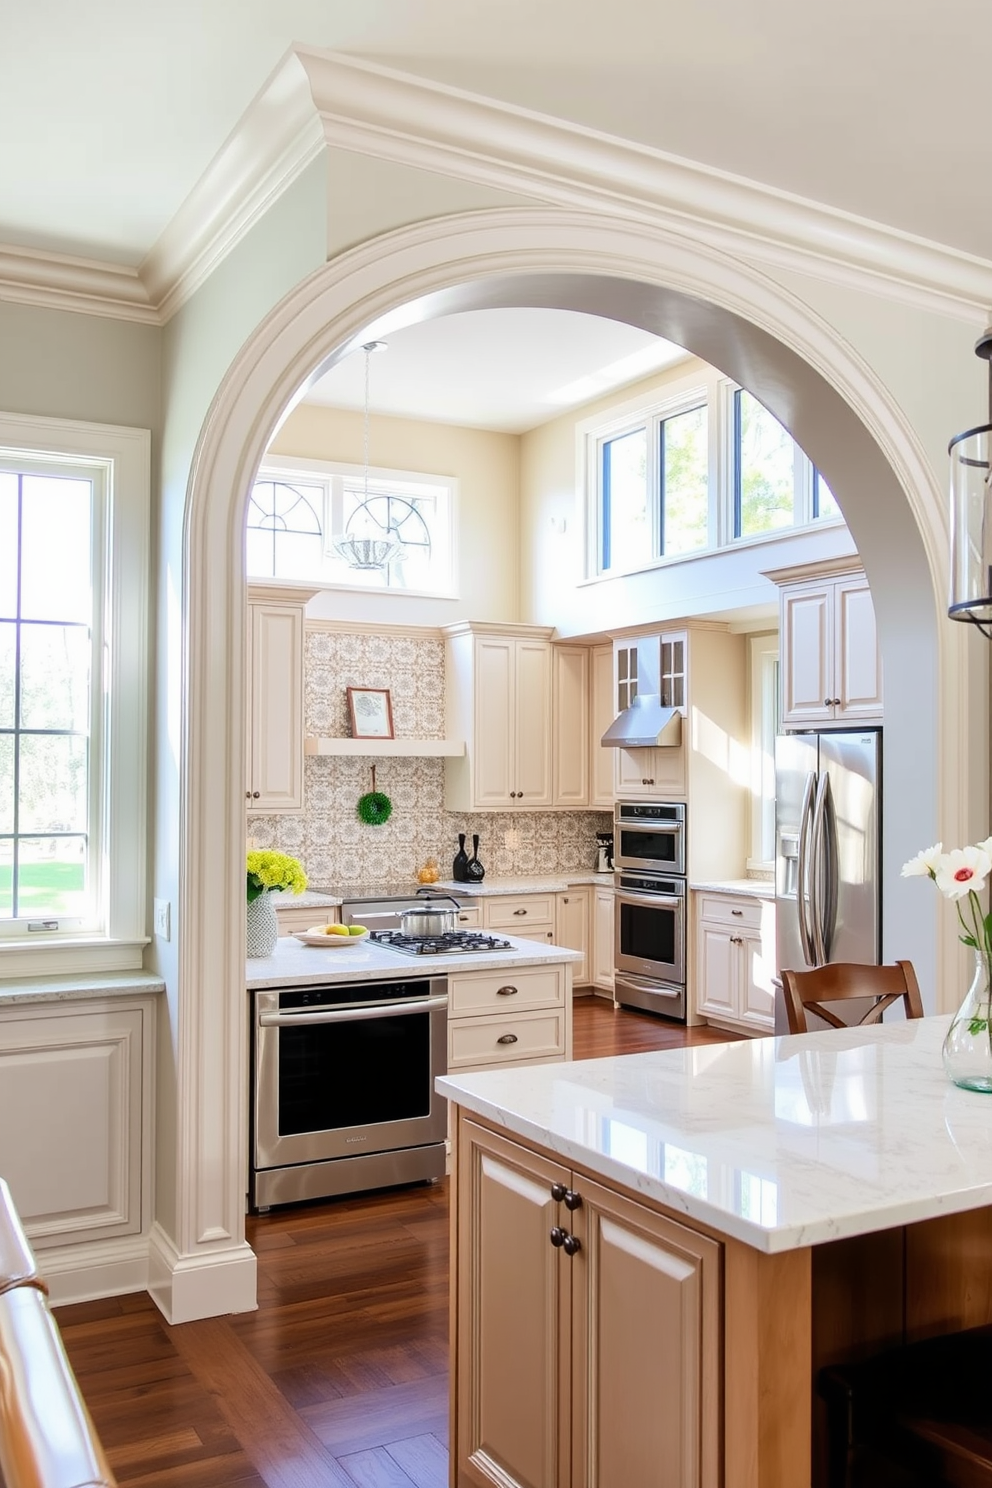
363	551
971	516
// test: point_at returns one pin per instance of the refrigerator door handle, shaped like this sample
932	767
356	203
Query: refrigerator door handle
820	886
803	894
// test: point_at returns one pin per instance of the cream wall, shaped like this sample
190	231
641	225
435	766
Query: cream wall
486	466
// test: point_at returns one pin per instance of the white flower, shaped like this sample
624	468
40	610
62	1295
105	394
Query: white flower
986	846
924	865
963	871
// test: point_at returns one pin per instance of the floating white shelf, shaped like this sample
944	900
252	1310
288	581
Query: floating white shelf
385	748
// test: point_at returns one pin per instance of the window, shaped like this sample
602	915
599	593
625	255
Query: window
703	468
654	488
73	693
317	522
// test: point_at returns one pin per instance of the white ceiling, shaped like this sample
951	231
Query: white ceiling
496	369
110	111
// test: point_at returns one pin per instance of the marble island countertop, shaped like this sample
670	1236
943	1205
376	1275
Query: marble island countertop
780	1142
297	965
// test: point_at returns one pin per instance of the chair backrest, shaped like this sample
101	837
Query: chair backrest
842	981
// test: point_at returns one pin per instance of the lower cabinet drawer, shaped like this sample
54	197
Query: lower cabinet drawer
505	1040
724	909
505	992
516	913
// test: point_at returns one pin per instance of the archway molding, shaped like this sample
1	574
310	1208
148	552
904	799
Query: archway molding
730	314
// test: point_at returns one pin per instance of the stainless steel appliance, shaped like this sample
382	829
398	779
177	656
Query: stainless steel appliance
451	942
342	1095
649	835
827	849
649	943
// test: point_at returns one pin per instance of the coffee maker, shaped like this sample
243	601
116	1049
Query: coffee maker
604	852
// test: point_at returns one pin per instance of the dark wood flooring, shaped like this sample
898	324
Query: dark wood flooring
340	1377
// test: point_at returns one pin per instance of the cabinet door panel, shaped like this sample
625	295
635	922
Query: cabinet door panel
718	970
602	713
859	669
493	722
603	939
806	654
276	723
513	1335
532	770
646	1393
572	929
756	990
570	726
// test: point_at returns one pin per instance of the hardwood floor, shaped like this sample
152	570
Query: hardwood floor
340	1377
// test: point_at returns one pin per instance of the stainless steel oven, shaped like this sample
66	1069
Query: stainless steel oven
649	943
649	835
343	1094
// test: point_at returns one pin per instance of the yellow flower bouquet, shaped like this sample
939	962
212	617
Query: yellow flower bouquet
273	870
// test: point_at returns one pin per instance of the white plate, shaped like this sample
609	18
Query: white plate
319	937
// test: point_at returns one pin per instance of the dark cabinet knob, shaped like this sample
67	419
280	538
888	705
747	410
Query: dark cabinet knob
255	795
558	1192
507	1038
559	1237
570	1245
572	1199
506	991
247	795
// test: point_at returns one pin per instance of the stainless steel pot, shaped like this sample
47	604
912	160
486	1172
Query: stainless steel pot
431	918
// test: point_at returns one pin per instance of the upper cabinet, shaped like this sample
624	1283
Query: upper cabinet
499	691
831	668
275	699
601	714
658	773
570	722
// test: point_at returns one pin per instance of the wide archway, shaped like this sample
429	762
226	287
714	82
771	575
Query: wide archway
723	311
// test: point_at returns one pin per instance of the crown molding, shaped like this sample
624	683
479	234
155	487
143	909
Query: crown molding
59	281
316	100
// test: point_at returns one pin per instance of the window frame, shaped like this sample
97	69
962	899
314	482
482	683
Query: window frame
333	476
118	459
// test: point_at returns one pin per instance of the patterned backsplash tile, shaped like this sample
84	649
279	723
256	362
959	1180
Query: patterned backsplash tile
336	848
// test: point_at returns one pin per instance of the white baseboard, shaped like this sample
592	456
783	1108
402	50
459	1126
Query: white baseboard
103	1268
209	1284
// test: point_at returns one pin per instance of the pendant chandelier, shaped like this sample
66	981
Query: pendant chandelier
971	516
366	549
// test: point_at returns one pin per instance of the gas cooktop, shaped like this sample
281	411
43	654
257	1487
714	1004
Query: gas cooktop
438	945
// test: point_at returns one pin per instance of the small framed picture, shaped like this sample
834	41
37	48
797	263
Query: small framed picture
371	712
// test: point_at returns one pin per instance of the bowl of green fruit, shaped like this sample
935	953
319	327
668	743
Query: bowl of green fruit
333	937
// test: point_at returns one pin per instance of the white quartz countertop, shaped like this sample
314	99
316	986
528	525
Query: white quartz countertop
74	988
307	900
294	964
780	1142
546	883
759	888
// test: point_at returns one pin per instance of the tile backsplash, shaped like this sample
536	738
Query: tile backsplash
335	847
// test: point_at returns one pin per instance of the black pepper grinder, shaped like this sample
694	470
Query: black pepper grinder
474	871
459	868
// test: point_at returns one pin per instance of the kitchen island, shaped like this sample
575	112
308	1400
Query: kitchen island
654	1254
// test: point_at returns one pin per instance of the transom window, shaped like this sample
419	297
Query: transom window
316	522
702	468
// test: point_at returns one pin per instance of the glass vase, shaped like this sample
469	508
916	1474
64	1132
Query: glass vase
263	927
967	1049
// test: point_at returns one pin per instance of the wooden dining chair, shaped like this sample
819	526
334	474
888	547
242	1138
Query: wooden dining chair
844	981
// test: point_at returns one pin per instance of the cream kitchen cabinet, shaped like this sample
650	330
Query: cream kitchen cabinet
587	1330
498	698
601	714
659	773
275	699
602	937
75	1117
572	929
831	668
735	960
570	727
509	1017
530	916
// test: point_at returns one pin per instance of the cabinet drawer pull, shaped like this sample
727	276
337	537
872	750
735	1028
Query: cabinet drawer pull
519	911
255	795
572	1199
507	991
571	1245
558	1237
558	1192
507	1038
736	911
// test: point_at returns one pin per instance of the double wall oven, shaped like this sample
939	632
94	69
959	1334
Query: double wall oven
650	906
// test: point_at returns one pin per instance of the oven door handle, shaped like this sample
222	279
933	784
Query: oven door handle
352	1014
654	829
651	901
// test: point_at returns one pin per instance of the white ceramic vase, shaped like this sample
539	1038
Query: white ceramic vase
263	927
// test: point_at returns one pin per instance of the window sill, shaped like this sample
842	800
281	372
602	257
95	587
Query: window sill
37	989
69	957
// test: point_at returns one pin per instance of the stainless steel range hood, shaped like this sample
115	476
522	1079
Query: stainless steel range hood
644	725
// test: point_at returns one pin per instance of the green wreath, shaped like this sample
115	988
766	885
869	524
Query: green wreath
374	808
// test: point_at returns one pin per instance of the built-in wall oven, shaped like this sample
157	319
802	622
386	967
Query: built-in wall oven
649	936
343	1094
649	836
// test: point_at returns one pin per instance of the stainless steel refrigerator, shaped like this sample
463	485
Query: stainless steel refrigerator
828	840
